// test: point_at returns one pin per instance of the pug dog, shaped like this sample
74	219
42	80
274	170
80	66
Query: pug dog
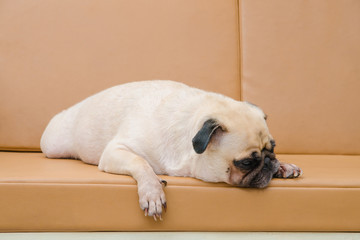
149	128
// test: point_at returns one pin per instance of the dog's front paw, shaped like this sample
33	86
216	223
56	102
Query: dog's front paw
287	170
152	198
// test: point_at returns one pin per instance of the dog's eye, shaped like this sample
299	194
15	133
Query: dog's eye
248	163
245	164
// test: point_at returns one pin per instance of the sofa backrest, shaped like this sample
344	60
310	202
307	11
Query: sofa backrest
55	53
298	60
301	64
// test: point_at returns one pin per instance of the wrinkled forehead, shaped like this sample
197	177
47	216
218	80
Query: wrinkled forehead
254	131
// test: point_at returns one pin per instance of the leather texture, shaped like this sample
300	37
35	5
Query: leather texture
300	63
40	194
56	53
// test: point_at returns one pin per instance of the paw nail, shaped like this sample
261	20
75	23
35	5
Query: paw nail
163	182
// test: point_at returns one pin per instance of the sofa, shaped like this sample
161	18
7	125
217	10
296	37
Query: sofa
298	60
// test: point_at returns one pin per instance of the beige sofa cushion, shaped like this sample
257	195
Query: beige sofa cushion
300	63
56	53
40	194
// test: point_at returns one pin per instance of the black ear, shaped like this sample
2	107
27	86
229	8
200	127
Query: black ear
203	137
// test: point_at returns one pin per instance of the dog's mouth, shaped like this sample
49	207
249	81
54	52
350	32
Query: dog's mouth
263	178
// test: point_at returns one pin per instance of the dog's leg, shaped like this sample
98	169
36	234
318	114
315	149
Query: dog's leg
287	170
118	159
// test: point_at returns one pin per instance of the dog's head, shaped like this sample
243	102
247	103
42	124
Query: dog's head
238	147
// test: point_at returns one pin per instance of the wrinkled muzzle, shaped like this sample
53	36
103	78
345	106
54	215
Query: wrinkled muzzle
260	177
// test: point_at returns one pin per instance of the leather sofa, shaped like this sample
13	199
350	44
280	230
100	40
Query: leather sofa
298	60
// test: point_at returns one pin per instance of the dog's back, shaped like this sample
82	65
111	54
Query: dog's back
83	130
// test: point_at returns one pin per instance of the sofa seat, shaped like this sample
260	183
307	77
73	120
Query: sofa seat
40	194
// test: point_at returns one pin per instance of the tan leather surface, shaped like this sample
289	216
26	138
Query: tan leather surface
39	194
55	53
300	63
321	171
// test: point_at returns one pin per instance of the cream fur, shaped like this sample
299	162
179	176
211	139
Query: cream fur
146	128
